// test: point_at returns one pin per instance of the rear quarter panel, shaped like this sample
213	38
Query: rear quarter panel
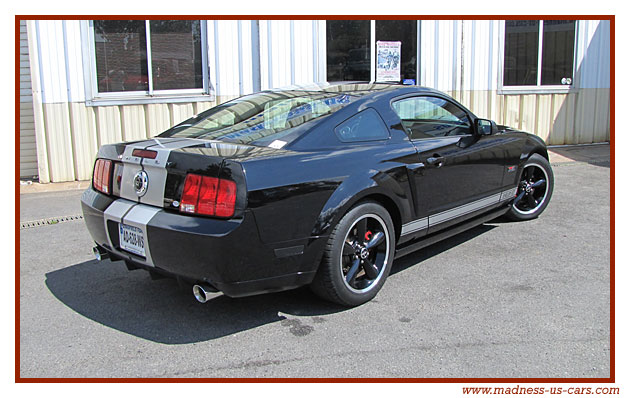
304	195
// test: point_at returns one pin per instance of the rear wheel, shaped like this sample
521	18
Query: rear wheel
534	189
358	256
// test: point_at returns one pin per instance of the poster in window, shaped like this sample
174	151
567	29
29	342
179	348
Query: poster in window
388	61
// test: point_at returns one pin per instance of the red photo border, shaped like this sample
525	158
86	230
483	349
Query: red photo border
611	379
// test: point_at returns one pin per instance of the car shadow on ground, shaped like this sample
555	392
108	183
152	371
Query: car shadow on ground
162	312
419	256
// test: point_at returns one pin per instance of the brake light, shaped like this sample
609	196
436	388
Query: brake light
144	153
208	195
102	178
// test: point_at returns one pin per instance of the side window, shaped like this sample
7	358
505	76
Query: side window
367	125
428	117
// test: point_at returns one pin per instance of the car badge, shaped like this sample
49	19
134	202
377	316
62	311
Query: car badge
141	183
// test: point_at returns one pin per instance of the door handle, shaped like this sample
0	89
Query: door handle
436	161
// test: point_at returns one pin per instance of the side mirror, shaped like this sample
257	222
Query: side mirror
485	127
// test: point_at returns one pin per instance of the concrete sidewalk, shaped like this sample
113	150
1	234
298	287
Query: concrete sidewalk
597	153
593	154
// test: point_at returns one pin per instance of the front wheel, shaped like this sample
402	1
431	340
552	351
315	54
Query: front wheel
534	189
358	256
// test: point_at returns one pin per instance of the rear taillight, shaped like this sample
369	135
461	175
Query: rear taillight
102	178
208	195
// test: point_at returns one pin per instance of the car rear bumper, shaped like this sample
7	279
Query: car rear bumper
227	254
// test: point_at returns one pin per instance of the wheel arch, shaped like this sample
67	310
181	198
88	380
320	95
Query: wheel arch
337	207
387	203
539	151
535	144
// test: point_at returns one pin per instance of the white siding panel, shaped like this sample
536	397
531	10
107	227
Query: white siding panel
593	54
246	57
28	146
180	112
83	124
227	34
212	57
60	151
440	54
303	51
52	62
280	53
108	125
133	122
428	53
481	46
158	119
447	40
224	58
264	30
75	61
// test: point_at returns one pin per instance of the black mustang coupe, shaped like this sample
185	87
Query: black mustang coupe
324	185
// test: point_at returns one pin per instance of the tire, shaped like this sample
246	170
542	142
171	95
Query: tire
358	256
534	190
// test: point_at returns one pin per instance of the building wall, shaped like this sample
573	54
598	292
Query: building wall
461	58
28	149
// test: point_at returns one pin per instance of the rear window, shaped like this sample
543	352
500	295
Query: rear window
267	118
364	126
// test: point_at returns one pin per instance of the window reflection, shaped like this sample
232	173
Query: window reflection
176	54
348	50
520	66
557	57
121	56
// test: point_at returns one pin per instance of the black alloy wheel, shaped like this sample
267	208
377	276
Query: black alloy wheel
358	256
364	255
534	189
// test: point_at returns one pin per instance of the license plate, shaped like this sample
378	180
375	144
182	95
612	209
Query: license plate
131	239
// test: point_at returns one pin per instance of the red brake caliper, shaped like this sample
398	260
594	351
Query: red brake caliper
368	234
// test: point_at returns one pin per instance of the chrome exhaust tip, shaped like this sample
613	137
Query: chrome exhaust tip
203	293
100	254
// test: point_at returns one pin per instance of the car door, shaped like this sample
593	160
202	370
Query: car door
461	171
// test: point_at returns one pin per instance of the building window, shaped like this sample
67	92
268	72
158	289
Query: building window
149	58
348	50
538	53
350	46
406	32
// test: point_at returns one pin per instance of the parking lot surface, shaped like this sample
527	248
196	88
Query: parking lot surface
528	299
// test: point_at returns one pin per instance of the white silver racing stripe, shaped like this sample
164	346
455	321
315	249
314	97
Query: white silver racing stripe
509	194
414	226
464	209
424	223
130	213
155	168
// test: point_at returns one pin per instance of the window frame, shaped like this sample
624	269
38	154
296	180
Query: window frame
324	50
538	88
95	98
469	115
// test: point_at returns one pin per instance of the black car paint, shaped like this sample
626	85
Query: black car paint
296	195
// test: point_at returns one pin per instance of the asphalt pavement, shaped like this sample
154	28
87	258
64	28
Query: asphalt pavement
527	299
